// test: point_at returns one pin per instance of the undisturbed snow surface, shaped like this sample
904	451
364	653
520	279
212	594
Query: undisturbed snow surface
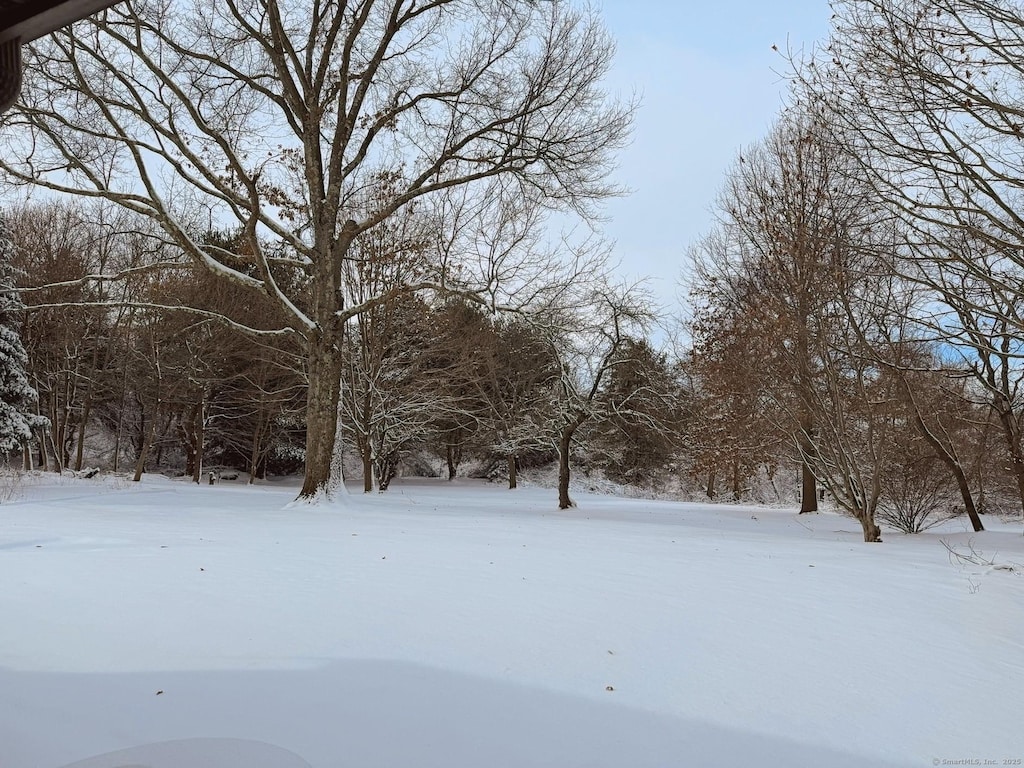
462	625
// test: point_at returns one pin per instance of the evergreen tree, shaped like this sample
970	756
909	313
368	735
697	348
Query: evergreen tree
16	393
641	412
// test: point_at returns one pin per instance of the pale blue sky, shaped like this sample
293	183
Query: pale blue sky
705	75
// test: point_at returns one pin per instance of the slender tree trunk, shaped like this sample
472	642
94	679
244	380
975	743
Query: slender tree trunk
967	496
147	443
564	446
808	489
808	483
363	443
199	436
711	483
254	462
1011	433
452	466
80	448
161	443
513	477
337	483
64	435
44	461
737	490
366	454
257	448
387	468
981	464
953	464
56	437
185	430
119	432
87	408
40	432
872	533
58	464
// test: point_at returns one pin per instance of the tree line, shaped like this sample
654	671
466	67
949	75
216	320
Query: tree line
858	298
324	226
127	373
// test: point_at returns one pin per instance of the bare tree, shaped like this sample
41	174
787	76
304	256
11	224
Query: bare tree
942	414
737	425
392	394
903	330
930	94
789	218
71	342
275	118
588	343
382	342
865	454
982	324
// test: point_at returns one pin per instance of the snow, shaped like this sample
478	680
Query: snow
447	625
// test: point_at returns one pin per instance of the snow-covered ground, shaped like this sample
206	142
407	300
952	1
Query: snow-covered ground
463	625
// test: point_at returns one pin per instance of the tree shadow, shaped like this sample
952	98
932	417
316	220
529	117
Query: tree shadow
367	714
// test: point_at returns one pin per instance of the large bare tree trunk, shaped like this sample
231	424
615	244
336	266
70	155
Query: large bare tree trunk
512	472
321	416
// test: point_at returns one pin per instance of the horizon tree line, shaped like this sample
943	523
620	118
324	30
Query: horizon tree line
354	252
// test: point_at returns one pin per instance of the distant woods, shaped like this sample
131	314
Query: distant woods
859	298
346	260
143	363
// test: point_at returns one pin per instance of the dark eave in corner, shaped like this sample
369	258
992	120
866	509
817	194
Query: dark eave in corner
22	21
28	19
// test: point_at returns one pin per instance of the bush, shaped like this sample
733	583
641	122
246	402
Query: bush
917	499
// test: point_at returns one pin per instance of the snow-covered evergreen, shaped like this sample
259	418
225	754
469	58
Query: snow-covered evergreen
17	396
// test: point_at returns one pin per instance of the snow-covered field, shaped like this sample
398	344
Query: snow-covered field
463	626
